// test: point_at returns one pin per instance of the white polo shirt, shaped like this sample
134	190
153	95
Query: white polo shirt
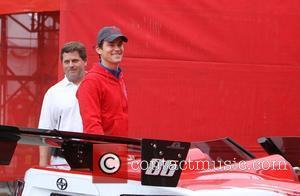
60	109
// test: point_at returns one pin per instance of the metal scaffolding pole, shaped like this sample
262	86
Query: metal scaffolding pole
3	69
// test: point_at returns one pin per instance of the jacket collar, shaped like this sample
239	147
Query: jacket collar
96	68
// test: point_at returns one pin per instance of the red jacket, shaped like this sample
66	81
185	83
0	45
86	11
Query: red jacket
103	103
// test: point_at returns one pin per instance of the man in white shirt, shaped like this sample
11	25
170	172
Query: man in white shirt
60	108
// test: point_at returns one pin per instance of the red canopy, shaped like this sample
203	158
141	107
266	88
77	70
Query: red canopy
18	6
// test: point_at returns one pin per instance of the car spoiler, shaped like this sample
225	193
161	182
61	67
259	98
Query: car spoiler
165	158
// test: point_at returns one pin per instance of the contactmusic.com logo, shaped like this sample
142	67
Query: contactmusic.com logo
109	163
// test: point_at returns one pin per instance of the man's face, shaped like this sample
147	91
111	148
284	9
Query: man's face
73	66
111	53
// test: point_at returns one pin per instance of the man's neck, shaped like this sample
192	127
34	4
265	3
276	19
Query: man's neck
76	82
110	66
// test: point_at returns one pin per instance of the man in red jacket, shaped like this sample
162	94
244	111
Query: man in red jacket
102	95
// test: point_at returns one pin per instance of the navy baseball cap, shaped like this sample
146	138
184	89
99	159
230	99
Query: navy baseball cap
109	34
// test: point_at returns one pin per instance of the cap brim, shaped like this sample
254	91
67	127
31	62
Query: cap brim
115	36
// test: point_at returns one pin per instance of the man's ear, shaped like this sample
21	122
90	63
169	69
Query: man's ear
98	50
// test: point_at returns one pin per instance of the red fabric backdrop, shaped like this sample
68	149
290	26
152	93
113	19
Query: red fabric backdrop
202	69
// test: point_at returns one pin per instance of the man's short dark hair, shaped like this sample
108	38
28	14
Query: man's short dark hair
72	47
100	45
